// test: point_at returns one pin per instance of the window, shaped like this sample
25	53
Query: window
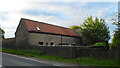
85	44
73	44
51	43
63	44
46	43
40	43
37	28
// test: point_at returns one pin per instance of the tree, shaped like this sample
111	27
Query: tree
116	38
95	30
75	27
2	33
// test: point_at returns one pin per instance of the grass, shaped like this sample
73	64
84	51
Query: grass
0	49
81	61
23	52
96	62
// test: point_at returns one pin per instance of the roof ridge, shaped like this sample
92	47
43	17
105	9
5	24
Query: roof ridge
47	23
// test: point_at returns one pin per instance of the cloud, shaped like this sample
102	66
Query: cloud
57	13
12	5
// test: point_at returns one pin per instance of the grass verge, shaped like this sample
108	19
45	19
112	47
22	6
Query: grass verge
82	61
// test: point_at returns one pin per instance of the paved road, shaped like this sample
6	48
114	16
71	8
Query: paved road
13	61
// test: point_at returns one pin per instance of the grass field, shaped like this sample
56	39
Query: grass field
82	61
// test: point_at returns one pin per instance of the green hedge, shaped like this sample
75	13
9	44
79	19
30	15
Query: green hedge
99	44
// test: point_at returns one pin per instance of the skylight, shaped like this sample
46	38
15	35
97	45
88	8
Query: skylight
37	28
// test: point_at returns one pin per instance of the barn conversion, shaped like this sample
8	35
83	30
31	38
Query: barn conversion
34	33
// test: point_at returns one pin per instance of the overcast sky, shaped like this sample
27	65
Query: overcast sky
63	14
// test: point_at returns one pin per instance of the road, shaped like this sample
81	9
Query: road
14	61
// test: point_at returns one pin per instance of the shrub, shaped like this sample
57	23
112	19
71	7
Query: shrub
111	45
99	44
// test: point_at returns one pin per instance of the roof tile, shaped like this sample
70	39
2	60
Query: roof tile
44	27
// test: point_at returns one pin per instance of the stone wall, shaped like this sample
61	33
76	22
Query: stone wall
72	40
21	35
35	38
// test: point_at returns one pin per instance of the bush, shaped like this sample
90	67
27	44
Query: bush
111	45
99	44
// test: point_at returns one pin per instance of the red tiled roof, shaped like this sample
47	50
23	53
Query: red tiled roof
48	28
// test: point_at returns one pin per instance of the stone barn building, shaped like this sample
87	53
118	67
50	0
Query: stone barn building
36	33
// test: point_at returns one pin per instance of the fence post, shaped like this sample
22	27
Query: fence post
73	52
